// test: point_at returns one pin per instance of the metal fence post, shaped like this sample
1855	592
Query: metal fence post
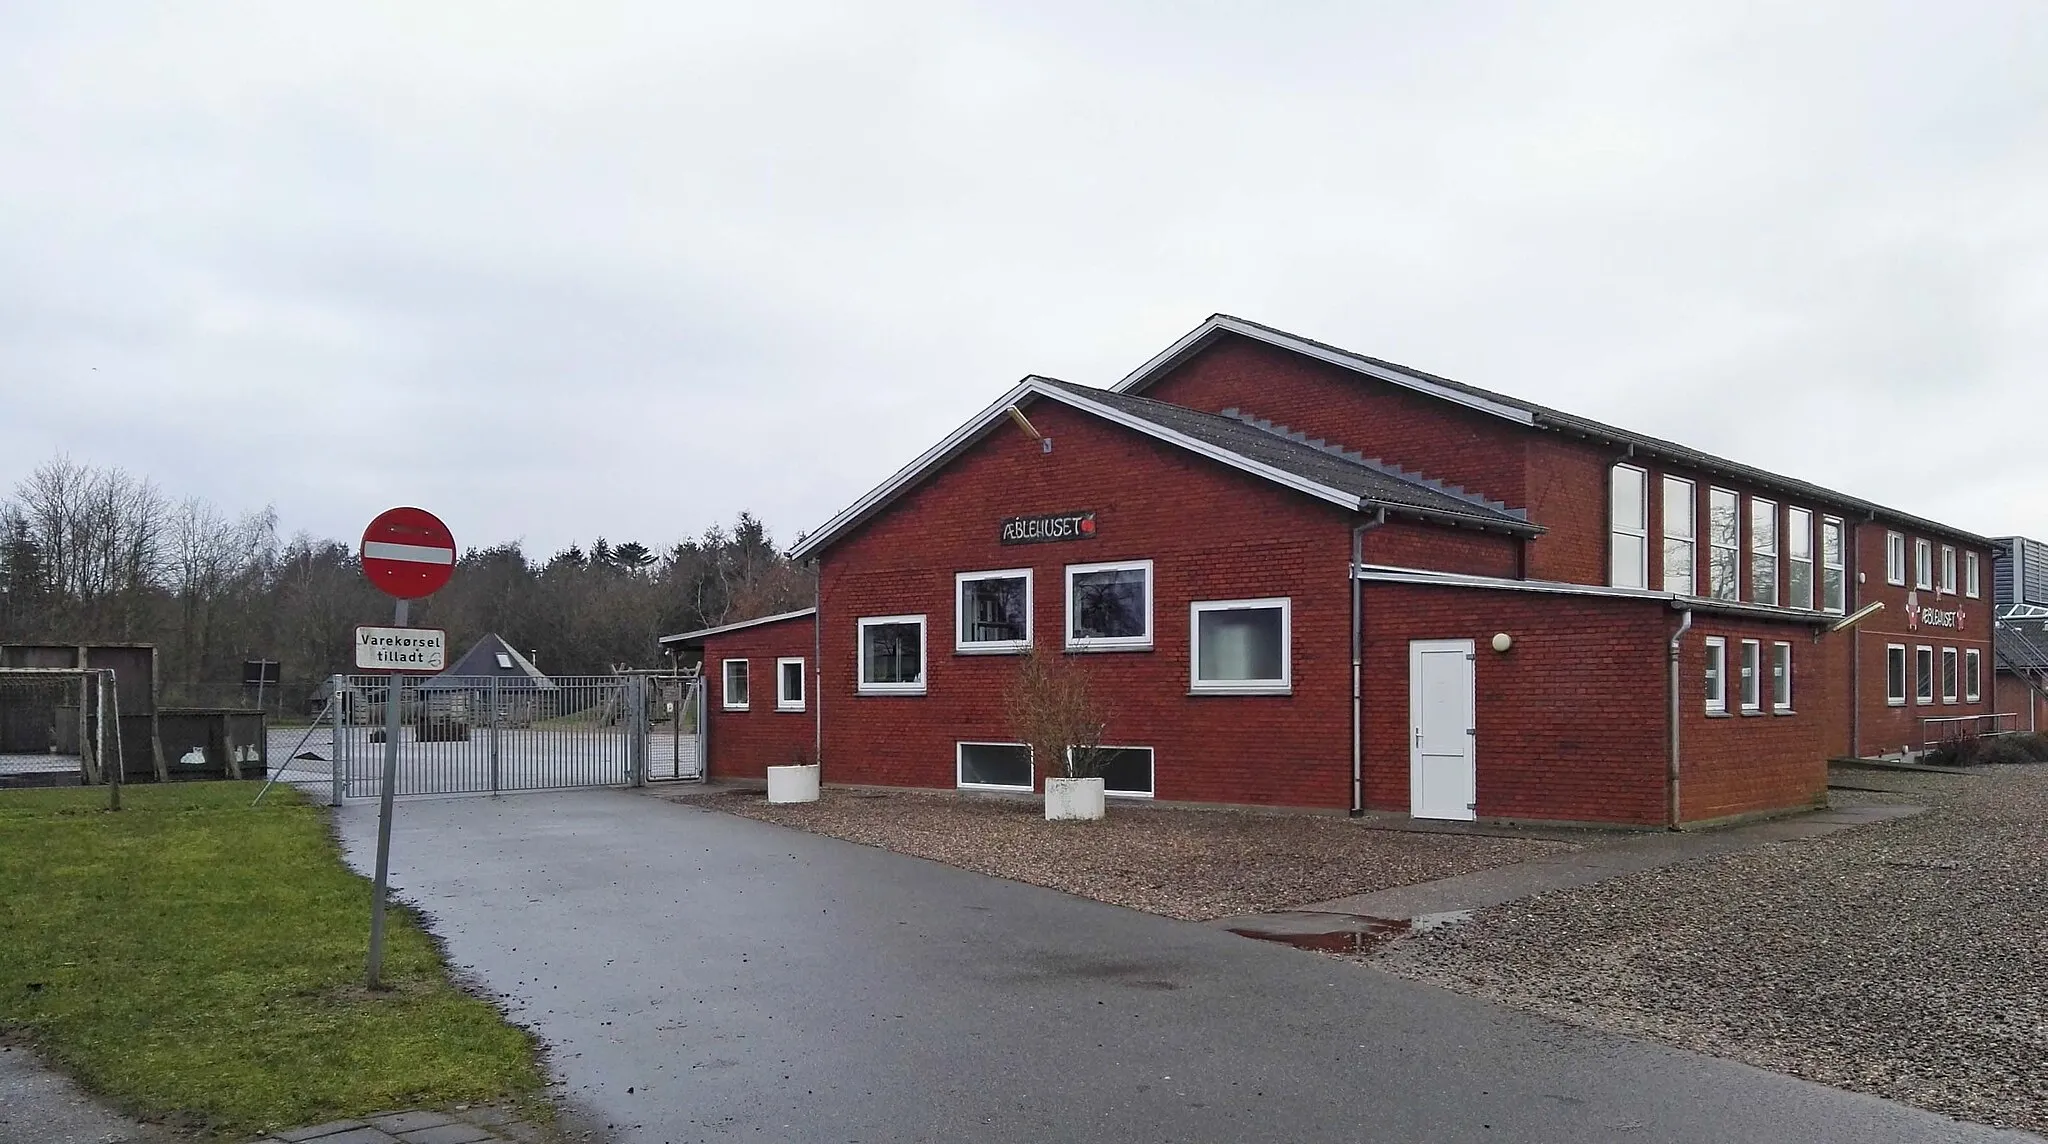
494	735
637	755
334	751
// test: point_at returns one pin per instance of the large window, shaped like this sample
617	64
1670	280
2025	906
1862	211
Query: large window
1798	558
1109	606
1923	675
994	610
1834	575
892	655
1681	543
1724	545
1972	583
1241	647
1923	564
737	685
993	766
1629	506
1763	551
1717	675
1126	771
1895	674
1781	678
789	684
1895	559
1948	570
1751	678
1973	675
1949	674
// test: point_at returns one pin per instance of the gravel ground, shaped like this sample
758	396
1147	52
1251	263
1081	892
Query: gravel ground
1908	959
1189	864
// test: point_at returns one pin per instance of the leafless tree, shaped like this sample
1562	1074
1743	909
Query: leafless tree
1055	711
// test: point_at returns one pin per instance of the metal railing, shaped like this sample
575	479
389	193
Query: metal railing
1942	730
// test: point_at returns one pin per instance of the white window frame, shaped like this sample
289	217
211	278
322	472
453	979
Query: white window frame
1895	559
959	760
725	684
1112	643
1923	683
1638	531
1839	565
1898	698
1757	552
1282	686
1973	675
1973	582
1781	678
782	701
1749	672
1951	675
860	655
1153	770
1737	574
965	646
1795	534
1948	569
1923	565
1717	672
1689	540
504	661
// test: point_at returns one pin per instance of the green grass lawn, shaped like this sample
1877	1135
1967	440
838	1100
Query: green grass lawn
202	962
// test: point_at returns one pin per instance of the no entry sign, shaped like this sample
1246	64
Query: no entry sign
408	553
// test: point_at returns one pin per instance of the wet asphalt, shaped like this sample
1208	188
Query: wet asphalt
701	977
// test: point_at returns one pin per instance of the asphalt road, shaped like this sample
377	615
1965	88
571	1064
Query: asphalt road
702	977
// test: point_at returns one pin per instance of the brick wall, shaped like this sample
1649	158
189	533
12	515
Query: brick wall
2016	698
1742	762
1411	544
743	744
1882	726
1213	534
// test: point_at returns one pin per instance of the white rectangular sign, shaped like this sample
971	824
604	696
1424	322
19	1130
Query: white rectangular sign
401	649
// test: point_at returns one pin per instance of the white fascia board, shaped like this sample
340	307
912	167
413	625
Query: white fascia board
757	621
1422	577
876	496
1140	377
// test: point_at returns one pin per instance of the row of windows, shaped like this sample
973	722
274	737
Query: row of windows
737	693
1125	771
1923	566
1815	575
1749	677
1239	647
1971	683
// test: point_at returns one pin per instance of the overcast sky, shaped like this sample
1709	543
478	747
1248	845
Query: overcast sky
577	270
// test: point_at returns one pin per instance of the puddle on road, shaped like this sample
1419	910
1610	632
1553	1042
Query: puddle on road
1346	933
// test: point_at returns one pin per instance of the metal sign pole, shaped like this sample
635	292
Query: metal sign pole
393	700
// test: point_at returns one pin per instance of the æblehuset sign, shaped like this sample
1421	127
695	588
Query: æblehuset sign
1052	526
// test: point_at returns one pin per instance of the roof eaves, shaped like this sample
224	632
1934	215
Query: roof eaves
757	621
1423	577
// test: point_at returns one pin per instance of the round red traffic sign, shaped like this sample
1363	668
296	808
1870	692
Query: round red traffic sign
408	553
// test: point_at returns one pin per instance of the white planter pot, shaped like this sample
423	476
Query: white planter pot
1074	798
793	784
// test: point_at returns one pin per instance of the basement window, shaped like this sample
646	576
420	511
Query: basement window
993	766
736	685
994	611
1923	675
1895	674
1717	675
1109	606
1241	647
1781	678
789	684
1752	676
1629	509
1126	771
891	655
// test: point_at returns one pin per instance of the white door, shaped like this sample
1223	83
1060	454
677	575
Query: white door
1442	779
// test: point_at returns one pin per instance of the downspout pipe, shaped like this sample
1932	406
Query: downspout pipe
1671	812
817	685
1357	656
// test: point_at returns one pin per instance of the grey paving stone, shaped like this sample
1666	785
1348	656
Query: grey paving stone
363	1135
402	1122
319	1131
449	1134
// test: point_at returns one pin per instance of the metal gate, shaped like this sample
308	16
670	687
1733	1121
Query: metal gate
675	743
489	735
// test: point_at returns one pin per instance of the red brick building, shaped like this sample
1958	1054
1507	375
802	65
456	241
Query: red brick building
1304	577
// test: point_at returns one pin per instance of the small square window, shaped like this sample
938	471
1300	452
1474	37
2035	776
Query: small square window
1240	647
789	684
993	612
736	685
1109	606
892	655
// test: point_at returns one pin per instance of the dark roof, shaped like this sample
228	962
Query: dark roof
1325	465
480	663
1559	421
699	635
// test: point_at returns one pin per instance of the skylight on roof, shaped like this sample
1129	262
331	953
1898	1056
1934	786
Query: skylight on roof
504	661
